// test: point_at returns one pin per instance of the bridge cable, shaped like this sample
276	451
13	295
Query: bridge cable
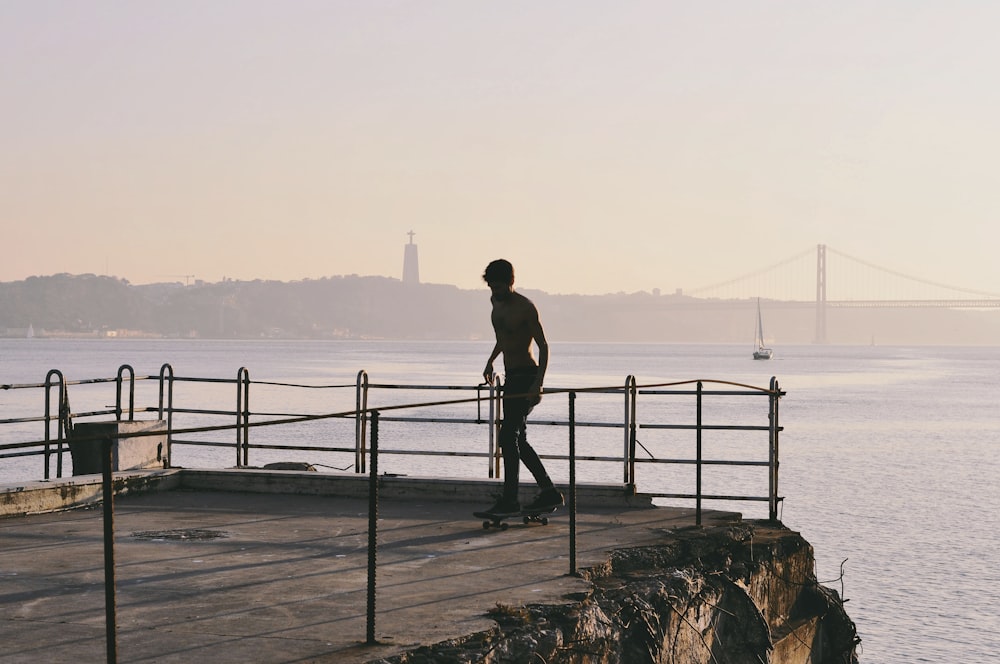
755	273
926	282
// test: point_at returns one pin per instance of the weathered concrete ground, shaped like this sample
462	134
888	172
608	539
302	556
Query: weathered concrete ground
237	577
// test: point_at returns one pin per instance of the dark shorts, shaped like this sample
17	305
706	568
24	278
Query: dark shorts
518	382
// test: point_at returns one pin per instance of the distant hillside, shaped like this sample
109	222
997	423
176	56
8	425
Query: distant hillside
381	307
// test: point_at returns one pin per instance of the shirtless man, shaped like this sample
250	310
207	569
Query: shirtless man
516	325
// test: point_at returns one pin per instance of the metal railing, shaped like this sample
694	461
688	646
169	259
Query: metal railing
631	422
364	416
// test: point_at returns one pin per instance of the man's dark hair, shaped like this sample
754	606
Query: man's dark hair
499	271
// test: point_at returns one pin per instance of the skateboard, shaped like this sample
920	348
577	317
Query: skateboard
491	520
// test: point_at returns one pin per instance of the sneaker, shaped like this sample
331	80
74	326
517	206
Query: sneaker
504	507
548	499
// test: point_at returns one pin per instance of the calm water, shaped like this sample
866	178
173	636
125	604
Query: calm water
890	456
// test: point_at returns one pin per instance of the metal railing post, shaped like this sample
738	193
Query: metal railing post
698	458
572	483
131	393
246	417
360	420
773	429
242	417
63	417
372	531
167	376
631	393
496	419
489	422
625	430
110	610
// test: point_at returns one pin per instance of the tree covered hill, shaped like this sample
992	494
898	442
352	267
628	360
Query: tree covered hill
359	307
351	307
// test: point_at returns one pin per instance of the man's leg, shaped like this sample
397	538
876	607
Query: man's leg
549	497
511	432
532	461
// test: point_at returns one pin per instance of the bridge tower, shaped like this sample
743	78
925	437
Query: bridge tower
820	293
411	270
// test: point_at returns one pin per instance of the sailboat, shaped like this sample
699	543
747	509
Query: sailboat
760	352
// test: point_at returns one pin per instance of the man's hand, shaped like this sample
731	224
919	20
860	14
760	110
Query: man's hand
488	373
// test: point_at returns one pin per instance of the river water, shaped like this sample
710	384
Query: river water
890	456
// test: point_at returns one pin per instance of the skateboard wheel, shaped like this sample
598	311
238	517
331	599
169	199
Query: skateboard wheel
545	520
486	525
527	520
503	526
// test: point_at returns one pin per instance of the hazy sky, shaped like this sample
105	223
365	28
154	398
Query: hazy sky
600	146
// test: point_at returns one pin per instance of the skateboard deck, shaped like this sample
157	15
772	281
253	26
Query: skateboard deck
491	520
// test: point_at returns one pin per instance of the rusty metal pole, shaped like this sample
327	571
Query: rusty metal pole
773	429
572	483
697	512
372	529
110	617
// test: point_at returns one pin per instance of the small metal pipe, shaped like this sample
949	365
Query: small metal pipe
496	418
243	417
632	428
625	428
48	421
772	417
131	393
167	377
360	420
572	484
372	531
698	457
110	612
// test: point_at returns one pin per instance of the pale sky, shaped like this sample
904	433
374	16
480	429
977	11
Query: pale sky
599	146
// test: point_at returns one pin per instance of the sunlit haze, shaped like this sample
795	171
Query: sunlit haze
601	147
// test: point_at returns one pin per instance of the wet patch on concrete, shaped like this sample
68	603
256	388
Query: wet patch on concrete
180	534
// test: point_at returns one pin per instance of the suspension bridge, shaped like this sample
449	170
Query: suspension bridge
842	281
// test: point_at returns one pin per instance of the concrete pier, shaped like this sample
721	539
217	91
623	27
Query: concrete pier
271	566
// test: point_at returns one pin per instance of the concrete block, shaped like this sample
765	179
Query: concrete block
129	453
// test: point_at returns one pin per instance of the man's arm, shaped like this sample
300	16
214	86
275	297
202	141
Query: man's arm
538	334
488	371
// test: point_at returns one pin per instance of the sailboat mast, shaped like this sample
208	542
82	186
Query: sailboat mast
760	326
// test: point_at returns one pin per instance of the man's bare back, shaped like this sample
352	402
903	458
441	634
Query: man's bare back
516	324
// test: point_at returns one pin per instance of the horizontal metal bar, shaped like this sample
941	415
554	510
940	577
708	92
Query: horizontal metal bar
24	454
323	415
704	462
560	423
199	411
389	386
704	496
205	443
437	420
707	427
432	453
704	393
25	420
32	443
310	387
189	379
93	413
300	448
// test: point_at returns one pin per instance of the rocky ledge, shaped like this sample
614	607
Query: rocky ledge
745	592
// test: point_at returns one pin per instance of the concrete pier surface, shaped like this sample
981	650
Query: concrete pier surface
241	576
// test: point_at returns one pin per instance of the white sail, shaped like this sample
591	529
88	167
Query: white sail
760	351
